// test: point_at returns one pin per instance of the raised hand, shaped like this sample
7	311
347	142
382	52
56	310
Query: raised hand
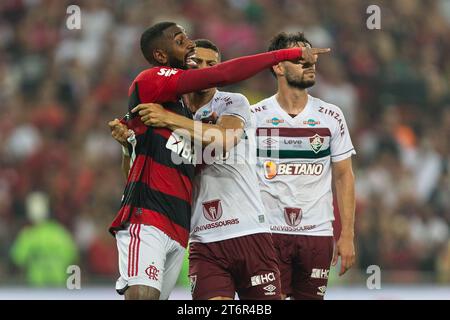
345	249
310	55
119	131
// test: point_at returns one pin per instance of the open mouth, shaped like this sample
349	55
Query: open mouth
189	59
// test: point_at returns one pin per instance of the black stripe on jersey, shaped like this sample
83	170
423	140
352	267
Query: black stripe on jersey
133	99
158	151
175	209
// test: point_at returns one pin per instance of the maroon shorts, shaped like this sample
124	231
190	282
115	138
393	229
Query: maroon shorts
246	265
304	263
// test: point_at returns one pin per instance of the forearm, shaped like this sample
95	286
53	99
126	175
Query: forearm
203	133
233	71
345	194
126	165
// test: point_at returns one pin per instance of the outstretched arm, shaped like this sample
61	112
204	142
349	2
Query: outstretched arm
239	69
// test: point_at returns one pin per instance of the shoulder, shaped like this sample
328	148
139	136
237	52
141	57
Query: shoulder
157	72
231	104
263	105
330	114
230	98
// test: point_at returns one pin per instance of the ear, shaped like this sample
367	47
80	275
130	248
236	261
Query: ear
278	69
160	56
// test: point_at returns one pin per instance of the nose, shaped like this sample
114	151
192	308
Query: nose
191	44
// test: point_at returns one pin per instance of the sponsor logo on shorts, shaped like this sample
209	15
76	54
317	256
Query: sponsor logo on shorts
193	282
212	210
152	272
293	216
272	169
262	278
316	143
321	290
270	290
320	273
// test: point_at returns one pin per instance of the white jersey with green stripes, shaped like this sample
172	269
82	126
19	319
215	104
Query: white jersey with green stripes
294	164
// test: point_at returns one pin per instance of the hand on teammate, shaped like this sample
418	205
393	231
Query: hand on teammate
152	114
345	248
119	131
310	55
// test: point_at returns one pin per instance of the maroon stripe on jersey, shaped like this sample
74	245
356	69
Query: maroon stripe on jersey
163	179
293	132
162	222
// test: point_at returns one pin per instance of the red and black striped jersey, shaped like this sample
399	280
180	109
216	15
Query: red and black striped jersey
158	190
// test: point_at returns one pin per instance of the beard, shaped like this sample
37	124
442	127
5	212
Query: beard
299	83
178	64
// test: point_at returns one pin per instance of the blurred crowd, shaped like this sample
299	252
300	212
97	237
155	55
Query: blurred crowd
60	87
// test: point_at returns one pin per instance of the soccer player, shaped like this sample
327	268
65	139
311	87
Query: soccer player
303	148
231	249
152	225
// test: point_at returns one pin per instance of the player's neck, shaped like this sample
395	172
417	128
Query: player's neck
199	99
292	100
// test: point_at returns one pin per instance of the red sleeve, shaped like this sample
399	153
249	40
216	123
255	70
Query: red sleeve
232	71
157	85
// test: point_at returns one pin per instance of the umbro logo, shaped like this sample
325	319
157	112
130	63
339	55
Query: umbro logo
270	290
321	290
270	142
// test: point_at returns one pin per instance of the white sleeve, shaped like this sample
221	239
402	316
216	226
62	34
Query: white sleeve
341	144
238	106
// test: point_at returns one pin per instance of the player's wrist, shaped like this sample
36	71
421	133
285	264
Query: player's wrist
174	121
347	234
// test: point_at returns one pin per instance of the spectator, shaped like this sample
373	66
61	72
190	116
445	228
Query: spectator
45	249
59	87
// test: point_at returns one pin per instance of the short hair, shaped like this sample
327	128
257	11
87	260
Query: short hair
149	38
285	40
206	44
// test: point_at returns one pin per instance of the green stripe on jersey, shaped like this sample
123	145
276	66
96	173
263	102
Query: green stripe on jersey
293	154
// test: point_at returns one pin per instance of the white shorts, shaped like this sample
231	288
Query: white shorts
149	257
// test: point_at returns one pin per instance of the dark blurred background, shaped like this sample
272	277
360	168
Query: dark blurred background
60	87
